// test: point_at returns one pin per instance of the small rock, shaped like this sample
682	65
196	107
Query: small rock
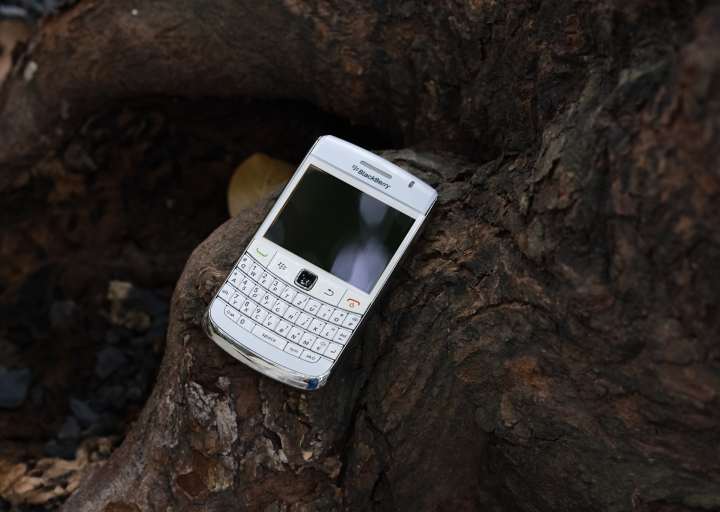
36	395
135	392
122	314
159	327
147	301
14	387
28	11
112	337
139	341
60	310
276	506
109	421
118	290
83	412
94	430
110	397
157	332
142	299
142	378
150	362
70	430
77	159
63	451
110	360
14	12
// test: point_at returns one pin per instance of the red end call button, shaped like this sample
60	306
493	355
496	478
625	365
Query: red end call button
354	303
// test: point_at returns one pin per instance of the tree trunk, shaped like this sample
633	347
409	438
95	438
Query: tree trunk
552	342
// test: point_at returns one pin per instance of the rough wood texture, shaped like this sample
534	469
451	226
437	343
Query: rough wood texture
481	76
552	343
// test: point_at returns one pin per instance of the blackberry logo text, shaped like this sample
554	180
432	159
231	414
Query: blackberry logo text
370	177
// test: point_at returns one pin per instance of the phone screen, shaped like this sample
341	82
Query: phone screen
339	228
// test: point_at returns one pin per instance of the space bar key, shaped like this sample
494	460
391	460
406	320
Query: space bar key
269	337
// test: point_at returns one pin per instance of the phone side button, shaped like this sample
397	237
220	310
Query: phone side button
310	356
293	350
268	337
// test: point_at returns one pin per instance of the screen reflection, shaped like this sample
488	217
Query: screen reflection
339	228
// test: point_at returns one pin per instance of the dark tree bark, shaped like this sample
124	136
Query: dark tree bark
552	343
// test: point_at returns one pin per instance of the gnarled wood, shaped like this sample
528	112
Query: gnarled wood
551	343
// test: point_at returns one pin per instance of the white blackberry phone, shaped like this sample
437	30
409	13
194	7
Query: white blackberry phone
322	257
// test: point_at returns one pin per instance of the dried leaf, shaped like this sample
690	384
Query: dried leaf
254	178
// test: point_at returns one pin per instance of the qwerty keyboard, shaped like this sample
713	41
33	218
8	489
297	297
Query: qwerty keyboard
278	313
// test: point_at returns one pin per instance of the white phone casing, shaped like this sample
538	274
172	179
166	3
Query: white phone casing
264	318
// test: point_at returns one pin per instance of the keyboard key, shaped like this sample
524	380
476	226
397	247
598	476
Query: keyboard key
351	321
266	279
256	293
307	340
237	300
245	263
304	320
312	307
283	328
232	314
316	326
326	291
269	337
235	277
268	301
293	349
291	314
310	356
329	331
320	345
246	285
226	292
353	303
271	321
246	323
258	314
338	316
277	287
247	307
325	312
285	268
342	336
288	294
279	308
333	351
300	300
295	334
255	271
